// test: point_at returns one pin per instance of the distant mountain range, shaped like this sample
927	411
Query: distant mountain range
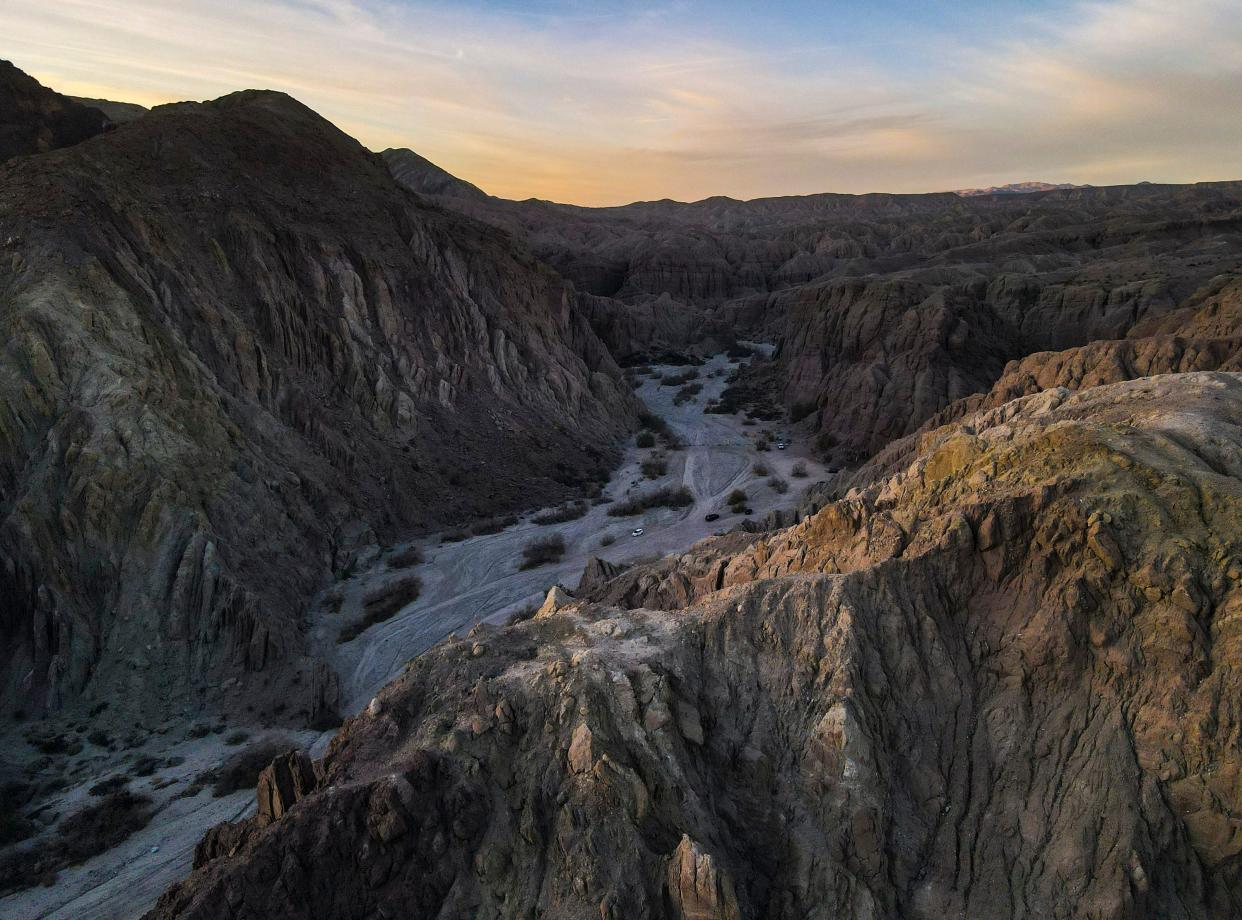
1016	188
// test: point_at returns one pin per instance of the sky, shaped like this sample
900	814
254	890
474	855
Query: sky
604	103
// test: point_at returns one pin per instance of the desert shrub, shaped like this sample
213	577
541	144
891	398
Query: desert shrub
825	442
667	497
676	380
654	467
659	428
652	422
405	558
92	830
524	614
798	471
736	497
99	738
738	351
111	784
760	469
383	604
47	741
646	439
455	535
687	393
542	551
800	410
778	485
146	765
492	525
569	512
101	826
242	769
236	738
607	540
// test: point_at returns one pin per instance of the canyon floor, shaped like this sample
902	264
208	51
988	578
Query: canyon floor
472	581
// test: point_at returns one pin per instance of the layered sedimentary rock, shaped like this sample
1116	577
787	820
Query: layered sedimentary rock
998	683
237	354
888	308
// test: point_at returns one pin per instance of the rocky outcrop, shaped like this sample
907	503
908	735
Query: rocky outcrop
998	683
419	174
236	354
118	112
35	119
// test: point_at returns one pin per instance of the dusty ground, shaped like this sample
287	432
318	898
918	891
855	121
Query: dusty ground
464	583
126	880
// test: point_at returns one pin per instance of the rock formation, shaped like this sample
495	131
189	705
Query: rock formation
35	119
236	355
997	683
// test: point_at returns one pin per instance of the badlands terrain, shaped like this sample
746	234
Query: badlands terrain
285	426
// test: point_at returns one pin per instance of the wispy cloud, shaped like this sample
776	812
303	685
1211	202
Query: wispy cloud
606	104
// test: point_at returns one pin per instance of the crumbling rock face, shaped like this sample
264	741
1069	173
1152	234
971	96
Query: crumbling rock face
998	683
236	356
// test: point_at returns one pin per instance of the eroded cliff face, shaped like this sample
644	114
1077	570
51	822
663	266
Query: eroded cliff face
889	308
236	354
998	683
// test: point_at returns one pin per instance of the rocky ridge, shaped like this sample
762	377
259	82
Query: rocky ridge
996	683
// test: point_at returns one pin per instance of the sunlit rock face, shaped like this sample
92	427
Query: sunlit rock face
997	682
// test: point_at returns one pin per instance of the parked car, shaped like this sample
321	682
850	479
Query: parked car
637	532
711	517
780	445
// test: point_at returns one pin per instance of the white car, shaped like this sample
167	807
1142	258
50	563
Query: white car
780	445
637	532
